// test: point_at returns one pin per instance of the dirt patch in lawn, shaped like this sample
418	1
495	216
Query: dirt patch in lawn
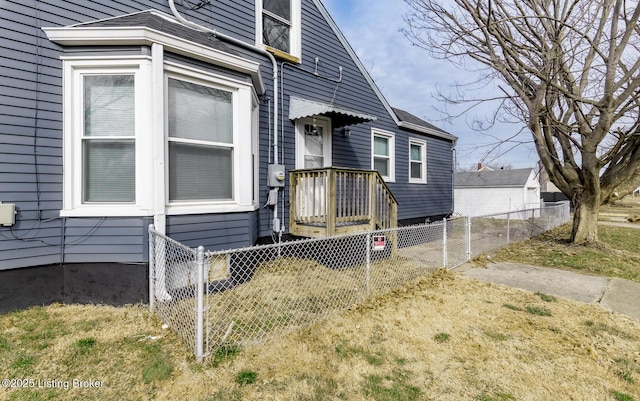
443	337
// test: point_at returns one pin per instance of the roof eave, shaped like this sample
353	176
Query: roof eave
141	35
428	131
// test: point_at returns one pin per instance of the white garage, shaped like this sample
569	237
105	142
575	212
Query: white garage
485	192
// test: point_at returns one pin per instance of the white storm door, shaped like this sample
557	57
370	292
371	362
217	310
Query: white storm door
313	143
313	150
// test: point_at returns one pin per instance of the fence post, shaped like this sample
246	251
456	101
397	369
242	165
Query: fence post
533	223
368	268
444	243
152	268
200	304
508	228
468	239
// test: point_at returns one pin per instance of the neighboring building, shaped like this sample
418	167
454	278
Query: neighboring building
480	193
549	192
116	115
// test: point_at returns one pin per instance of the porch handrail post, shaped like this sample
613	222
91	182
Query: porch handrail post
373	204
293	214
152	268
331	201
200	266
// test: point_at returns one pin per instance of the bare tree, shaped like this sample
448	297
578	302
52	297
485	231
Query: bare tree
569	71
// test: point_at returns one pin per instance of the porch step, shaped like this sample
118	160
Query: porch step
320	230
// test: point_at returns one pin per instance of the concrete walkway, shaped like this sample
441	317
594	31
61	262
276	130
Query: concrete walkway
615	294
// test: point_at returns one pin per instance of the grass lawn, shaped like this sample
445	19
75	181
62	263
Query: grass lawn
441	337
617	254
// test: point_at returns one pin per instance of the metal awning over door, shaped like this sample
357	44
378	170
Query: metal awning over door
340	117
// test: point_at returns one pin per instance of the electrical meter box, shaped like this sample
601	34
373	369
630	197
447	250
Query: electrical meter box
7	214
276	176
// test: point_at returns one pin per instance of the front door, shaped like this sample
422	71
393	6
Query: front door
313	142
313	150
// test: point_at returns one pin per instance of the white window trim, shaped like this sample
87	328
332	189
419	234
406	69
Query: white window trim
423	159
242	100
74	70
392	152
151	166
295	35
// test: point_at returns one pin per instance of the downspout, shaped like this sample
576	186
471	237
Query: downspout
255	49
454	165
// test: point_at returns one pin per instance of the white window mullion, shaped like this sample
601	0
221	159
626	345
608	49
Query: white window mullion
157	143
203	143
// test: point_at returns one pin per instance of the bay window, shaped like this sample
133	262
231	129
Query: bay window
135	135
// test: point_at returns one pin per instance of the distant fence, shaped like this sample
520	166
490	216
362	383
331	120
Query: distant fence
492	232
217	300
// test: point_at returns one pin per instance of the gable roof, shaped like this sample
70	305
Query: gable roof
345	43
410	121
492	179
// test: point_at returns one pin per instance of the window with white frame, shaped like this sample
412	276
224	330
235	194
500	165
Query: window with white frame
206	139
200	142
105	136
108	138
417	161
279	25
383	154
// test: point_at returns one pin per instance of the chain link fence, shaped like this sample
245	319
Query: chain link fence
492	232
223	300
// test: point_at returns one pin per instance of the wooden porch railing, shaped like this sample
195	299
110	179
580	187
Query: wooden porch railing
333	200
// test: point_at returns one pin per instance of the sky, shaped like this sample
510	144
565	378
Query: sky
409	78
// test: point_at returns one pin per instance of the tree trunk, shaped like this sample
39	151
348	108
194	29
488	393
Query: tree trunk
585	219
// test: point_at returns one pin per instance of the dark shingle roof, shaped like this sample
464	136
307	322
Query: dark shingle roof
492	179
405	116
163	23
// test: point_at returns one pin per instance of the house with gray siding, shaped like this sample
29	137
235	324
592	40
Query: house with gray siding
223	123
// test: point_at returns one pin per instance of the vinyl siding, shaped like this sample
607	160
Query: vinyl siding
31	135
213	231
354	92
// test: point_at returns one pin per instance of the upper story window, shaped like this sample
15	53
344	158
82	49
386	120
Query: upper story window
417	161
383	154
279	27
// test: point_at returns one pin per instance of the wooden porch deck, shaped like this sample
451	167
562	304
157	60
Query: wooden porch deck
332	200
